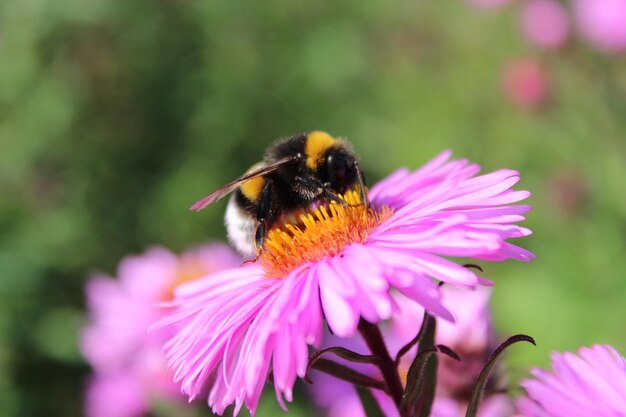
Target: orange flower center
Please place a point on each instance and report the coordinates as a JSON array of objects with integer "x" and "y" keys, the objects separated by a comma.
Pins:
[{"x": 324, "y": 231}]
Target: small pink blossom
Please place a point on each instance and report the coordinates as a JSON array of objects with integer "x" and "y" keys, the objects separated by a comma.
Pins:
[
  {"x": 545, "y": 23},
  {"x": 590, "y": 383},
  {"x": 602, "y": 23},
  {"x": 236, "y": 326},
  {"x": 525, "y": 83},
  {"x": 128, "y": 362}
]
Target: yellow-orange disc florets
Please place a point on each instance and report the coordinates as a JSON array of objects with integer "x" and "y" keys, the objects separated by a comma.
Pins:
[{"x": 325, "y": 231}]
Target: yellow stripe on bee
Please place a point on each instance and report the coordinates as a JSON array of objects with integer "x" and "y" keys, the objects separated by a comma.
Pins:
[
  {"x": 316, "y": 144},
  {"x": 252, "y": 188}
]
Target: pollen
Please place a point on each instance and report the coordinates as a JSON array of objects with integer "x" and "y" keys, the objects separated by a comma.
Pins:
[{"x": 323, "y": 232}]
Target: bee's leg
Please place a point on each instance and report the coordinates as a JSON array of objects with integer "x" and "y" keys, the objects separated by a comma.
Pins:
[
  {"x": 259, "y": 237},
  {"x": 263, "y": 218},
  {"x": 308, "y": 188},
  {"x": 331, "y": 196},
  {"x": 263, "y": 214},
  {"x": 312, "y": 188}
]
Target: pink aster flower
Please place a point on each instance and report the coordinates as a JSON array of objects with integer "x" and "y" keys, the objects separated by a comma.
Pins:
[
  {"x": 590, "y": 383},
  {"x": 471, "y": 336},
  {"x": 526, "y": 83},
  {"x": 545, "y": 23},
  {"x": 129, "y": 365},
  {"x": 602, "y": 23},
  {"x": 339, "y": 265}
]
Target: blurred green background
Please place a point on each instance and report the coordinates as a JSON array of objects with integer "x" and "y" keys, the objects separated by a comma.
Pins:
[{"x": 115, "y": 115}]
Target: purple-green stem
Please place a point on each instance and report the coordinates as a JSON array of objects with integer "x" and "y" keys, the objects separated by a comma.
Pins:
[{"x": 374, "y": 340}]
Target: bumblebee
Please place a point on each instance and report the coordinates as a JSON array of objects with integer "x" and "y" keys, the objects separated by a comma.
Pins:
[{"x": 296, "y": 173}]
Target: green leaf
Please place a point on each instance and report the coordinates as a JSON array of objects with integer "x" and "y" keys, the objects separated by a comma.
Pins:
[
  {"x": 370, "y": 405},
  {"x": 403, "y": 351},
  {"x": 343, "y": 353},
  {"x": 422, "y": 376},
  {"x": 479, "y": 389},
  {"x": 346, "y": 374}
]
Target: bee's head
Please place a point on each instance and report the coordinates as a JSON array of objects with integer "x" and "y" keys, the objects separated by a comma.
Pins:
[{"x": 339, "y": 168}]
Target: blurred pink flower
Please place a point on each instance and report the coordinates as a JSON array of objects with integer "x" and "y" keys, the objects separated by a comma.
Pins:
[
  {"x": 525, "y": 83},
  {"x": 590, "y": 383},
  {"x": 116, "y": 394},
  {"x": 569, "y": 191},
  {"x": 545, "y": 23},
  {"x": 602, "y": 23},
  {"x": 487, "y": 4},
  {"x": 128, "y": 362},
  {"x": 471, "y": 336},
  {"x": 237, "y": 325}
]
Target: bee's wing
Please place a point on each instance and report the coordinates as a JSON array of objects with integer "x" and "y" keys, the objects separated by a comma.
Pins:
[{"x": 231, "y": 186}]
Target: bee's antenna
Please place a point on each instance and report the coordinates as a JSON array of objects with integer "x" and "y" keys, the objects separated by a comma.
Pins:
[{"x": 362, "y": 189}]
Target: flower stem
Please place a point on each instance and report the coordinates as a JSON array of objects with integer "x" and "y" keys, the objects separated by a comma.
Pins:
[{"x": 374, "y": 339}]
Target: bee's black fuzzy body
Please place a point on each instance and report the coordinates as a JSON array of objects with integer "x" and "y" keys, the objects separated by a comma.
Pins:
[{"x": 296, "y": 172}]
